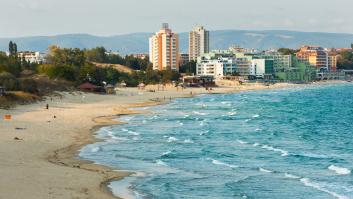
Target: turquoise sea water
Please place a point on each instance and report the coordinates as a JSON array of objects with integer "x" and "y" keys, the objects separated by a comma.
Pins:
[{"x": 276, "y": 144}]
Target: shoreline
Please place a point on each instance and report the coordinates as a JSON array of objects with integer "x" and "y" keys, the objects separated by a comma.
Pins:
[
  {"x": 65, "y": 154},
  {"x": 154, "y": 103},
  {"x": 69, "y": 156}
]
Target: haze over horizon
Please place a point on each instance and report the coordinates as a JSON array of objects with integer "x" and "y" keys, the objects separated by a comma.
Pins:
[{"x": 112, "y": 17}]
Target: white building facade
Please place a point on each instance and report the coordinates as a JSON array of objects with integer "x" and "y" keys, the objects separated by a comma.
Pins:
[
  {"x": 216, "y": 67},
  {"x": 199, "y": 42},
  {"x": 261, "y": 67},
  {"x": 281, "y": 62},
  {"x": 31, "y": 57}
]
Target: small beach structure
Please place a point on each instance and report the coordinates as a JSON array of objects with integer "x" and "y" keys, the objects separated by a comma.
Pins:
[
  {"x": 88, "y": 87},
  {"x": 141, "y": 86},
  {"x": 2, "y": 91},
  {"x": 109, "y": 89},
  {"x": 121, "y": 85},
  {"x": 198, "y": 81}
]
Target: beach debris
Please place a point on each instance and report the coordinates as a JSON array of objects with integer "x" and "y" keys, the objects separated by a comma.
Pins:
[
  {"x": 19, "y": 128},
  {"x": 76, "y": 166},
  {"x": 18, "y": 139},
  {"x": 7, "y": 117}
]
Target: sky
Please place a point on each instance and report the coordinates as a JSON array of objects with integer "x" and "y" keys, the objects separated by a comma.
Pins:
[{"x": 114, "y": 17}]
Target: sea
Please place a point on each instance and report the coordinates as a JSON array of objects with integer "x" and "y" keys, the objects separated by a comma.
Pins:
[{"x": 292, "y": 143}]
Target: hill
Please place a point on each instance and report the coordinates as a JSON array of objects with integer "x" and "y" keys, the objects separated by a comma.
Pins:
[
  {"x": 220, "y": 39},
  {"x": 118, "y": 67}
]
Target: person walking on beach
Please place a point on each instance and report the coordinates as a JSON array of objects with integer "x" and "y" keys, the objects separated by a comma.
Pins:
[{"x": 47, "y": 106}]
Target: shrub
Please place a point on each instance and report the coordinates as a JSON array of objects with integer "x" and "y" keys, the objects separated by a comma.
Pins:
[
  {"x": 65, "y": 72},
  {"x": 9, "y": 81},
  {"x": 28, "y": 85}
]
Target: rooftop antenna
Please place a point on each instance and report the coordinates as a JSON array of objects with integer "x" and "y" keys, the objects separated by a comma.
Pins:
[{"x": 165, "y": 26}]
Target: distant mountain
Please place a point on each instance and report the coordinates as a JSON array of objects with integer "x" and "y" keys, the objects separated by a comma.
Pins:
[{"x": 220, "y": 39}]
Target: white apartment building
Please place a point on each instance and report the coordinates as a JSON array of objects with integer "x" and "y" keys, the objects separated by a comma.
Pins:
[
  {"x": 164, "y": 49},
  {"x": 281, "y": 62},
  {"x": 199, "y": 42},
  {"x": 31, "y": 57},
  {"x": 261, "y": 67},
  {"x": 217, "y": 67}
]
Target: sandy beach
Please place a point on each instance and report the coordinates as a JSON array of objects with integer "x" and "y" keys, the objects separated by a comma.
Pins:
[{"x": 43, "y": 162}]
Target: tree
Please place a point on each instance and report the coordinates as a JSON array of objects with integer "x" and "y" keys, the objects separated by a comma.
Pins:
[
  {"x": 25, "y": 64},
  {"x": 15, "y": 49},
  {"x": 188, "y": 68},
  {"x": 345, "y": 61},
  {"x": 67, "y": 56},
  {"x": 9, "y": 64},
  {"x": 98, "y": 54},
  {"x": 11, "y": 48},
  {"x": 112, "y": 76},
  {"x": 86, "y": 73},
  {"x": 152, "y": 76},
  {"x": 9, "y": 81},
  {"x": 287, "y": 51},
  {"x": 28, "y": 85},
  {"x": 168, "y": 76},
  {"x": 115, "y": 59}
]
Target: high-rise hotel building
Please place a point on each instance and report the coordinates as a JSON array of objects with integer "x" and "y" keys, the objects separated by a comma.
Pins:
[
  {"x": 199, "y": 42},
  {"x": 315, "y": 56},
  {"x": 164, "y": 49}
]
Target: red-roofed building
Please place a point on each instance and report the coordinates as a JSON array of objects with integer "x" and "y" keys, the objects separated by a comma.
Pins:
[{"x": 88, "y": 87}]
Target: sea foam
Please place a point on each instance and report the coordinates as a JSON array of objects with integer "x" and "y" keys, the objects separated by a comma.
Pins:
[
  {"x": 270, "y": 148},
  {"x": 199, "y": 113},
  {"x": 307, "y": 182},
  {"x": 232, "y": 113},
  {"x": 256, "y": 144},
  {"x": 265, "y": 170},
  {"x": 112, "y": 136},
  {"x": 217, "y": 162},
  {"x": 160, "y": 162},
  {"x": 166, "y": 153},
  {"x": 291, "y": 176},
  {"x": 133, "y": 133},
  {"x": 172, "y": 139},
  {"x": 95, "y": 149},
  {"x": 242, "y": 142},
  {"x": 188, "y": 141},
  {"x": 339, "y": 170}
]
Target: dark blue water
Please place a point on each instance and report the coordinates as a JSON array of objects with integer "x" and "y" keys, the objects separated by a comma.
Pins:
[{"x": 278, "y": 144}]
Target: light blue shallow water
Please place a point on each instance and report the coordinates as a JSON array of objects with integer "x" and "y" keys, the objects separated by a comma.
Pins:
[{"x": 288, "y": 143}]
